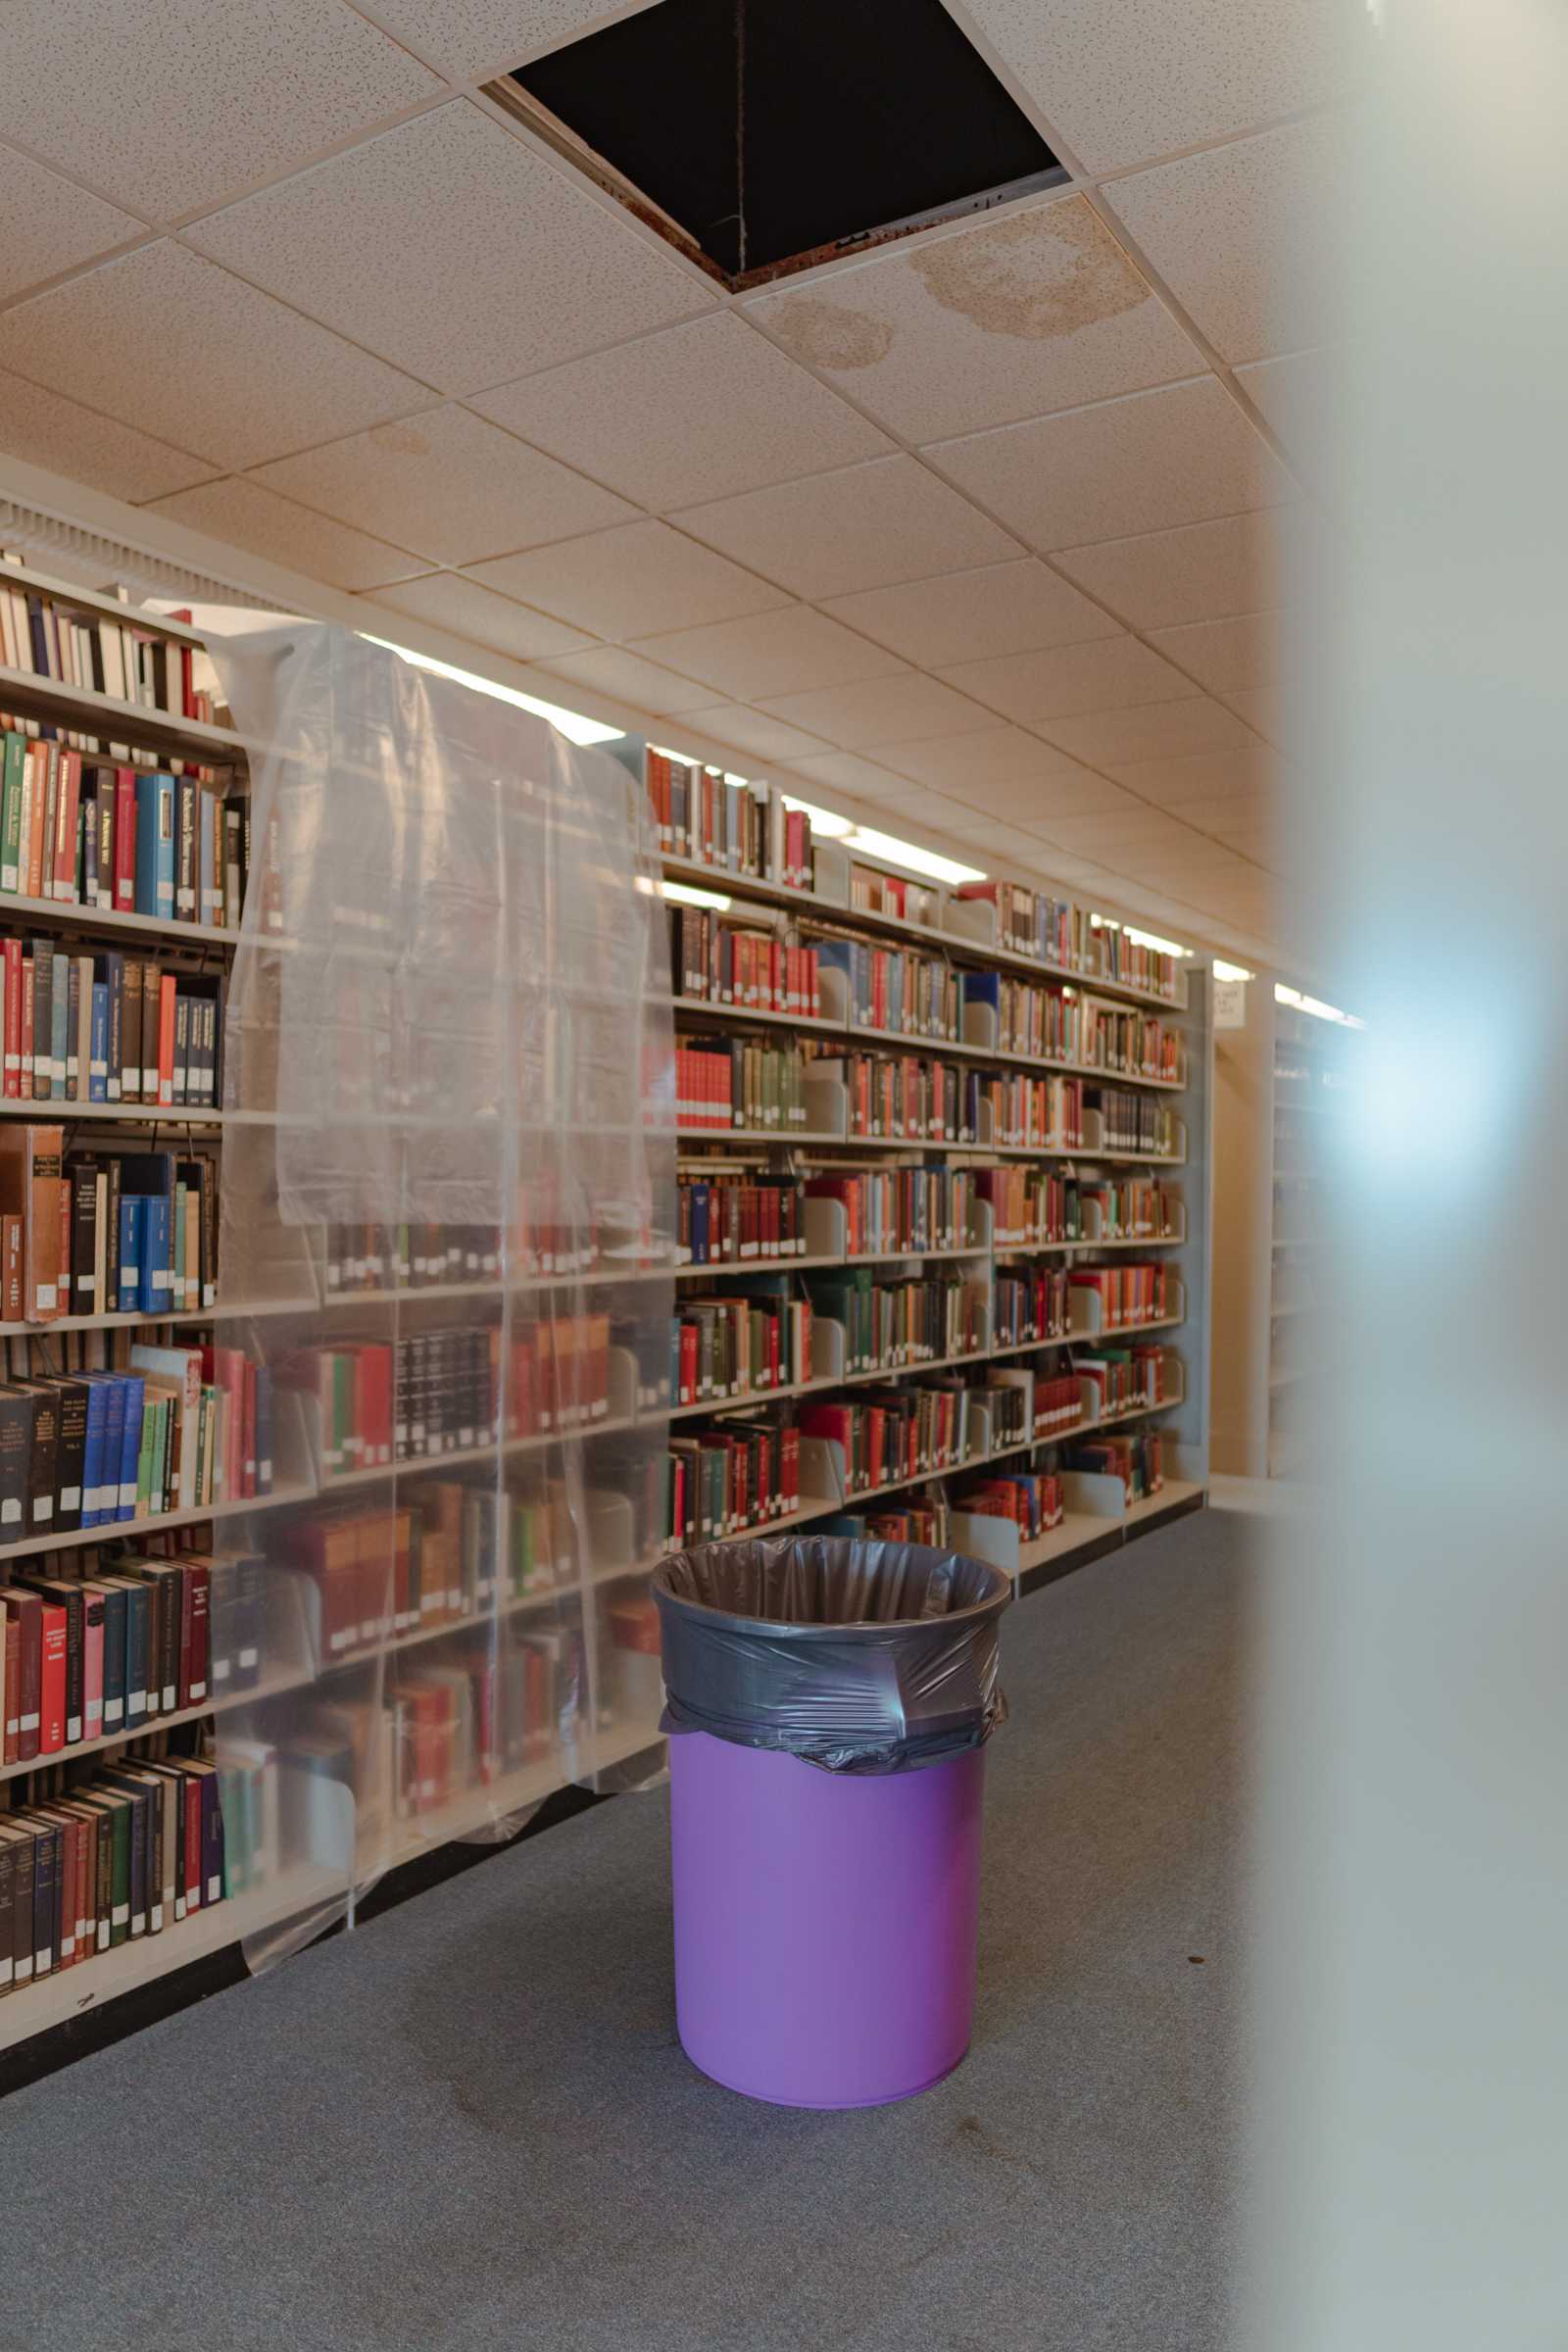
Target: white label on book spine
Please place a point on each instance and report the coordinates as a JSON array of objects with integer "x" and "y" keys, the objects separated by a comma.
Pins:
[
  {"x": 149, "y": 1084},
  {"x": 127, "y": 1495},
  {"x": 119, "y": 1915},
  {"x": 30, "y": 1723},
  {"x": 9, "y": 1510},
  {"x": 43, "y": 1507},
  {"x": 197, "y": 1691},
  {"x": 113, "y": 1709},
  {"x": 161, "y": 1278},
  {"x": 71, "y": 1498},
  {"x": 136, "y": 1702},
  {"x": 46, "y": 1298},
  {"x": 215, "y": 1887},
  {"x": 220, "y": 1671},
  {"x": 72, "y": 1729},
  {"x": 248, "y": 1657},
  {"x": 170, "y": 1695},
  {"x": 156, "y": 1916},
  {"x": 113, "y": 1089},
  {"x": 8, "y": 877}
]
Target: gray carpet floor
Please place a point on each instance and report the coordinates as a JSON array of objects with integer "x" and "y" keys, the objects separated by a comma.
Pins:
[{"x": 470, "y": 2127}]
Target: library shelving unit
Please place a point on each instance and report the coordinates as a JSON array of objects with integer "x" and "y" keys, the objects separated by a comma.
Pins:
[
  {"x": 456, "y": 1295},
  {"x": 1281, "y": 1079}
]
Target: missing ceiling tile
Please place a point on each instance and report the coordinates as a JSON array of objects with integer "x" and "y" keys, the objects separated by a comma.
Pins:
[{"x": 763, "y": 135}]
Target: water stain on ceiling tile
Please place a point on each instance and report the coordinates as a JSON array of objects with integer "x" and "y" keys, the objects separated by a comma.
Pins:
[{"x": 1045, "y": 272}]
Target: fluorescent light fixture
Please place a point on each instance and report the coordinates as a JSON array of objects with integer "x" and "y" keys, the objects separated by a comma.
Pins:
[
  {"x": 1316, "y": 1006},
  {"x": 823, "y": 821},
  {"x": 570, "y": 723},
  {"x": 919, "y": 861},
  {"x": 688, "y": 897},
  {"x": 686, "y": 758},
  {"x": 1140, "y": 938},
  {"x": 1230, "y": 971}
]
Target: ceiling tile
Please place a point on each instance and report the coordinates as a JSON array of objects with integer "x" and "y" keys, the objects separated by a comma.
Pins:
[
  {"x": 248, "y": 515},
  {"x": 645, "y": 685},
  {"x": 1241, "y": 234},
  {"x": 1144, "y": 463},
  {"x": 173, "y": 345},
  {"x": 1296, "y": 395},
  {"x": 965, "y": 615},
  {"x": 754, "y": 732},
  {"x": 1128, "y": 832},
  {"x": 1107, "y": 674},
  {"x": 1237, "y": 820},
  {"x": 1079, "y": 794},
  {"x": 190, "y": 100},
  {"x": 447, "y": 483},
  {"x": 1112, "y": 738},
  {"x": 864, "y": 526},
  {"x": 695, "y": 412},
  {"x": 448, "y": 601},
  {"x": 474, "y": 40},
  {"x": 454, "y": 249},
  {"x": 877, "y": 709},
  {"x": 1005, "y": 841},
  {"x": 1222, "y": 655},
  {"x": 1123, "y": 81},
  {"x": 1024, "y": 311},
  {"x": 843, "y": 772},
  {"x": 1175, "y": 779},
  {"x": 773, "y": 653},
  {"x": 990, "y": 756},
  {"x": 1206, "y": 572},
  {"x": 631, "y": 581},
  {"x": 1263, "y": 707},
  {"x": 48, "y": 224},
  {"x": 915, "y": 807},
  {"x": 45, "y": 429}
]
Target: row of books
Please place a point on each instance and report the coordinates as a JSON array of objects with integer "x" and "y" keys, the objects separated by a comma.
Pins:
[
  {"x": 89, "y": 1657},
  {"x": 52, "y": 638},
  {"x": 104, "y": 1232},
  {"x": 909, "y": 1097},
  {"x": 1031, "y": 1018},
  {"x": 484, "y": 1709},
  {"x": 1121, "y": 1378},
  {"x": 1134, "y": 1122},
  {"x": 890, "y": 1434},
  {"x": 132, "y": 1851},
  {"x": 370, "y": 1257},
  {"x": 1114, "y": 955},
  {"x": 717, "y": 962},
  {"x": 872, "y": 892},
  {"x": 1137, "y": 1045},
  {"x": 913, "y": 1519},
  {"x": 1128, "y": 1293},
  {"x": 724, "y": 1082},
  {"x": 903, "y": 1208},
  {"x": 1137, "y": 1458},
  {"x": 722, "y": 1480},
  {"x": 183, "y": 1429},
  {"x": 898, "y": 989},
  {"x": 1031, "y": 1499},
  {"x": 447, "y": 1391},
  {"x": 1036, "y": 923},
  {"x": 727, "y": 1219},
  {"x": 108, "y": 1028},
  {"x": 1058, "y": 1403},
  {"x": 1039, "y": 1206},
  {"x": 710, "y": 818},
  {"x": 123, "y": 840},
  {"x": 891, "y": 1322},
  {"x": 734, "y": 1347},
  {"x": 1029, "y": 1305}
]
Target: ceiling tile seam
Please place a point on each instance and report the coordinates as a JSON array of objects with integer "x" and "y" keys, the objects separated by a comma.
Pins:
[
  {"x": 645, "y": 514},
  {"x": 334, "y": 521},
  {"x": 67, "y": 171},
  {"x": 1090, "y": 185},
  {"x": 98, "y": 260},
  {"x": 712, "y": 294},
  {"x": 512, "y": 60},
  {"x": 215, "y": 466},
  {"x": 1229, "y": 138}
]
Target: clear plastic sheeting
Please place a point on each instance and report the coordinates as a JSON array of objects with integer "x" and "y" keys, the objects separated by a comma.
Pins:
[
  {"x": 859, "y": 1657},
  {"x": 447, "y": 1235}
]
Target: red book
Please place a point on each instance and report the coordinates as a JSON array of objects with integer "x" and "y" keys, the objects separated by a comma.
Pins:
[
  {"x": 195, "y": 1884},
  {"x": 248, "y": 1430},
  {"x": 125, "y": 841},
  {"x": 52, "y": 1679},
  {"x": 11, "y": 1636},
  {"x": 67, "y": 811},
  {"x": 13, "y": 1037},
  {"x": 166, "y": 1038}
]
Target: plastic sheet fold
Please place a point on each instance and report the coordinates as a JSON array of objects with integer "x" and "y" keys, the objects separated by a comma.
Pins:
[
  {"x": 448, "y": 1210},
  {"x": 857, "y": 1657}
]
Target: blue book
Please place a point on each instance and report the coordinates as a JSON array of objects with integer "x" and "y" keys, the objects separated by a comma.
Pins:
[
  {"x": 156, "y": 1276},
  {"x": 114, "y": 1618},
  {"x": 698, "y": 1242},
  {"x": 135, "y": 1388},
  {"x": 98, "y": 1045},
  {"x": 92, "y": 1458},
  {"x": 114, "y": 1439},
  {"x": 132, "y": 1227},
  {"x": 59, "y": 1026},
  {"x": 206, "y": 844},
  {"x": 155, "y": 845}
]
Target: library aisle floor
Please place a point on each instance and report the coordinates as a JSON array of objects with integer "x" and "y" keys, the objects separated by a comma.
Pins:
[{"x": 469, "y": 2125}]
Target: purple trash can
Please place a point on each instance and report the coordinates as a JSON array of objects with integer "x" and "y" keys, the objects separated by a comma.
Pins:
[{"x": 826, "y": 1781}]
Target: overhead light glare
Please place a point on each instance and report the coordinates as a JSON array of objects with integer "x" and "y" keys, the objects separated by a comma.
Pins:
[
  {"x": 570, "y": 723},
  {"x": 907, "y": 852},
  {"x": 1316, "y": 1006},
  {"x": 687, "y": 896},
  {"x": 1139, "y": 939},
  {"x": 1230, "y": 971},
  {"x": 824, "y": 821}
]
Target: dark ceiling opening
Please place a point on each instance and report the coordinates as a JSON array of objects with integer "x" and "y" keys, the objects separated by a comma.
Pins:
[{"x": 771, "y": 129}]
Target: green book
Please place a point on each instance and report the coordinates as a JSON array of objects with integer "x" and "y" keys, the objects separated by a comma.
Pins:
[
  {"x": 15, "y": 751},
  {"x": 144, "y": 1458}
]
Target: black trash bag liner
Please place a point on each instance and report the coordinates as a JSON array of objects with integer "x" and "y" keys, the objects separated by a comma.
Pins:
[{"x": 859, "y": 1657}]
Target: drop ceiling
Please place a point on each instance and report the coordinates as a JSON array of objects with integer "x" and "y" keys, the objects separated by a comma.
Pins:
[{"x": 994, "y": 531}]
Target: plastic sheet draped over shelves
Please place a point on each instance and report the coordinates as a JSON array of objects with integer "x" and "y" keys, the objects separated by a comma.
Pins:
[{"x": 459, "y": 1010}]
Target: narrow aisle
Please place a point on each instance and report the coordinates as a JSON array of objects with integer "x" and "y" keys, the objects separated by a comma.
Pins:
[{"x": 469, "y": 2124}]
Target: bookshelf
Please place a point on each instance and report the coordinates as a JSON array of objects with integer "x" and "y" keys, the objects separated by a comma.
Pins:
[{"x": 441, "y": 1637}]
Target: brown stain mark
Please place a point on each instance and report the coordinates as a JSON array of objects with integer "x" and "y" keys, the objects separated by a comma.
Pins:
[
  {"x": 829, "y": 334},
  {"x": 403, "y": 440},
  {"x": 1034, "y": 275}
]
